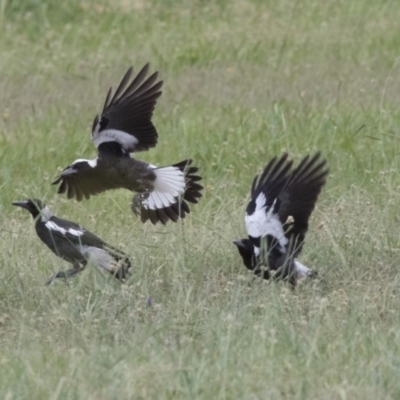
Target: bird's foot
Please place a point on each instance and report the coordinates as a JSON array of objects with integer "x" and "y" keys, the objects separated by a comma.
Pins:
[
  {"x": 55, "y": 276},
  {"x": 65, "y": 275},
  {"x": 137, "y": 202},
  {"x": 312, "y": 274}
]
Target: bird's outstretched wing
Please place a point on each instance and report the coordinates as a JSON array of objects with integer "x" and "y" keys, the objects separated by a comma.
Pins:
[
  {"x": 126, "y": 117},
  {"x": 82, "y": 181},
  {"x": 261, "y": 213},
  {"x": 271, "y": 181},
  {"x": 298, "y": 198}
]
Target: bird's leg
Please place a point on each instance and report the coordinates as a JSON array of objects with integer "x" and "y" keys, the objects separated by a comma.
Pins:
[
  {"x": 122, "y": 270},
  {"x": 263, "y": 271},
  {"x": 76, "y": 268},
  {"x": 54, "y": 277},
  {"x": 137, "y": 201},
  {"x": 287, "y": 273}
]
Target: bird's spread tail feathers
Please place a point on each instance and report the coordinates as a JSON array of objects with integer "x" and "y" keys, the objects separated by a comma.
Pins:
[{"x": 174, "y": 186}]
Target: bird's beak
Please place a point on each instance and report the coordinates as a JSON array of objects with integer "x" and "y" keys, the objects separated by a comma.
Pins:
[
  {"x": 238, "y": 242},
  {"x": 68, "y": 171},
  {"x": 23, "y": 204}
]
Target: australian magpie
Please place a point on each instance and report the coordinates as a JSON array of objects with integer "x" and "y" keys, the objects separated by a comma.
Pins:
[
  {"x": 74, "y": 243},
  {"x": 125, "y": 127},
  {"x": 277, "y": 215}
]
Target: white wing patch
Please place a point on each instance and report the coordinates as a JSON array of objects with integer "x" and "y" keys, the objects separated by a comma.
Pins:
[
  {"x": 75, "y": 232},
  {"x": 261, "y": 200},
  {"x": 52, "y": 226},
  {"x": 262, "y": 223},
  {"x": 127, "y": 141},
  {"x": 168, "y": 186}
]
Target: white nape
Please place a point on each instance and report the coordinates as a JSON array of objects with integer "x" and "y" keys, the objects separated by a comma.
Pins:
[
  {"x": 127, "y": 141},
  {"x": 45, "y": 214},
  {"x": 92, "y": 163}
]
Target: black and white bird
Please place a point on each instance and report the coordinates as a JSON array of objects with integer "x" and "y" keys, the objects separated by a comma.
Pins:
[
  {"x": 125, "y": 127},
  {"x": 75, "y": 244},
  {"x": 277, "y": 215}
]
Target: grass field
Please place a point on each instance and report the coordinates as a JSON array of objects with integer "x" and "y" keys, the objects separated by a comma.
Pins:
[{"x": 244, "y": 80}]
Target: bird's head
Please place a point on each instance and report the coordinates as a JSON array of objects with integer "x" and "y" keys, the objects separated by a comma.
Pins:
[
  {"x": 79, "y": 165},
  {"x": 34, "y": 206},
  {"x": 246, "y": 250}
]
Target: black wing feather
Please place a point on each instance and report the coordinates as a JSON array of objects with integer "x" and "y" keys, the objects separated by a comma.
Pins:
[
  {"x": 299, "y": 196},
  {"x": 130, "y": 111},
  {"x": 83, "y": 184},
  {"x": 120, "y": 88},
  {"x": 270, "y": 182},
  {"x": 180, "y": 208}
]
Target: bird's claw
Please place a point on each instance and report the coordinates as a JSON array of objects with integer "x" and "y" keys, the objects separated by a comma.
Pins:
[
  {"x": 137, "y": 202},
  {"x": 55, "y": 276}
]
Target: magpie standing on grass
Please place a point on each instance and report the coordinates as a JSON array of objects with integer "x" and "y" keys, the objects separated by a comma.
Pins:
[
  {"x": 74, "y": 243},
  {"x": 277, "y": 215},
  {"x": 125, "y": 127}
]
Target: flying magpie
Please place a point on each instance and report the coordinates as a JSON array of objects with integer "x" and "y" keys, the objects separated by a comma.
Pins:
[
  {"x": 125, "y": 127},
  {"x": 74, "y": 243},
  {"x": 277, "y": 215}
]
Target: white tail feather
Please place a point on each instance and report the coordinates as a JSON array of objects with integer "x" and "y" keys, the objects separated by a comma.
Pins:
[{"x": 168, "y": 186}]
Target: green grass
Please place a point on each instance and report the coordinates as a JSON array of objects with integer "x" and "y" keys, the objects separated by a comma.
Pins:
[{"x": 244, "y": 80}]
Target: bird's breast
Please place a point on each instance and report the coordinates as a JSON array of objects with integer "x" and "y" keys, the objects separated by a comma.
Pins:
[{"x": 128, "y": 173}]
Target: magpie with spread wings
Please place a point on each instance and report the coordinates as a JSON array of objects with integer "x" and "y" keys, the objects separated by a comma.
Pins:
[
  {"x": 125, "y": 127},
  {"x": 282, "y": 200}
]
